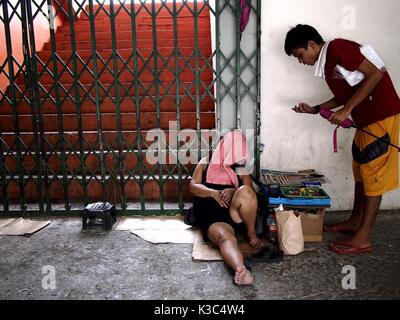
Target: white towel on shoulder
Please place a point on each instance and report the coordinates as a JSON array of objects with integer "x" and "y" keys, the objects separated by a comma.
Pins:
[{"x": 352, "y": 77}]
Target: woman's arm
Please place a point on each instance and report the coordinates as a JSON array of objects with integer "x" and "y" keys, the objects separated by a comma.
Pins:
[
  {"x": 196, "y": 187},
  {"x": 200, "y": 190}
]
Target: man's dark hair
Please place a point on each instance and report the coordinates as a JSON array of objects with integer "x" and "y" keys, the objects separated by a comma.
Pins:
[{"x": 299, "y": 36}]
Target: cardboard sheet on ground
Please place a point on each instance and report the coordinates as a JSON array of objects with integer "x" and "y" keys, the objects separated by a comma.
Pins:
[
  {"x": 207, "y": 251},
  {"x": 158, "y": 229},
  {"x": 174, "y": 230},
  {"x": 21, "y": 226},
  {"x": 165, "y": 236},
  {"x": 151, "y": 223}
]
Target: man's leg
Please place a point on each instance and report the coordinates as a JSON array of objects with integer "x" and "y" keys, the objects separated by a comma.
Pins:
[
  {"x": 380, "y": 175},
  {"x": 362, "y": 238},
  {"x": 244, "y": 209},
  {"x": 354, "y": 222},
  {"x": 357, "y": 215},
  {"x": 223, "y": 236}
]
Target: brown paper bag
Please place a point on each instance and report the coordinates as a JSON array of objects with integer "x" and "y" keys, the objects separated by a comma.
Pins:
[{"x": 290, "y": 232}]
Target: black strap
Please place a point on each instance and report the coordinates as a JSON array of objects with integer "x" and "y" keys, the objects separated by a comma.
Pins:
[
  {"x": 372, "y": 151},
  {"x": 203, "y": 179}
]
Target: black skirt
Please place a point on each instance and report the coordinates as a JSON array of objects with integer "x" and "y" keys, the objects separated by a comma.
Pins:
[{"x": 208, "y": 211}]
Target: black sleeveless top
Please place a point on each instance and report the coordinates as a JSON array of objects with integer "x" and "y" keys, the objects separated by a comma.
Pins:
[{"x": 208, "y": 211}]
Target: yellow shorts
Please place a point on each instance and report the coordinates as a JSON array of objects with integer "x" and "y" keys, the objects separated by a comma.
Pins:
[{"x": 375, "y": 163}]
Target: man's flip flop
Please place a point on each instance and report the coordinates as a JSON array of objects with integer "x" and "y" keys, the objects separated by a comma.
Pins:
[
  {"x": 346, "y": 248},
  {"x": 341, "y": 243}
]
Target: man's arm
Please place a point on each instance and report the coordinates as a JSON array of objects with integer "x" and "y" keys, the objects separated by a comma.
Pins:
[
  {"x": 305, "y": 108},
  {"x": 330, "y": 104},
  {"x": 372, "y": 77}
]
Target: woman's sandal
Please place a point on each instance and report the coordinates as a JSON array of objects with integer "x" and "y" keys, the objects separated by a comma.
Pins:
[{"x": 245, "y": 273}]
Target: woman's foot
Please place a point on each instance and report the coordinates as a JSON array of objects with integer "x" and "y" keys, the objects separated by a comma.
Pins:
[
  {"x": 243, "y": 276},
  {"x": 256, "y": 243}
]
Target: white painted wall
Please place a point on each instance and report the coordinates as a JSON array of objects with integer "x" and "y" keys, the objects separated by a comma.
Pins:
[{"x": 295, "y": 141}]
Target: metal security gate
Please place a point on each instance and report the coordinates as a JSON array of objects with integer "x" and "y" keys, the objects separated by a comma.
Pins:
[{"x": 119, "y": 99}]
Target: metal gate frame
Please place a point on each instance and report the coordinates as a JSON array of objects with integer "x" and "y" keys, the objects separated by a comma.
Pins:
[{"x": 236, "y": 63}]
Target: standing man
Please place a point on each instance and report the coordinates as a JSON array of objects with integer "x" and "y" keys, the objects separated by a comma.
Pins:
[{"x": 362, "y": 87}]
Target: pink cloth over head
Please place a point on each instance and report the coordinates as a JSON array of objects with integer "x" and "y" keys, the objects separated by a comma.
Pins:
[{"x": 232, "y": 149}]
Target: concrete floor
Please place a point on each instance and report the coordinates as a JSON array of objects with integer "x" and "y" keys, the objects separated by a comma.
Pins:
[{"x": 118, "y": 265}]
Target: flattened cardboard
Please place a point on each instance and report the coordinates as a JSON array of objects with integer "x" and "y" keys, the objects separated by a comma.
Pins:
[
  {"x": 165, "y": 236},
  {"x": 151, "y": 223},
  {"x": 21, "y": 226},
  {"x": 164, "y": 229}
]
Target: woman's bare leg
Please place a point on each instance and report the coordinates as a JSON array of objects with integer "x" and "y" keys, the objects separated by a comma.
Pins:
[
  {"x": 244, "y": 209},
  {"x": 223, "y": 235}
]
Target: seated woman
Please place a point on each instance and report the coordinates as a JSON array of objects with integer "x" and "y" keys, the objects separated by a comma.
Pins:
[{"x": 222, "y": 207}]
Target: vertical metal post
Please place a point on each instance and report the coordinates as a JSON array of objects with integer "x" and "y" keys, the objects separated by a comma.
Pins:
[
  {"x": 218, "y": 67},
  {"x": 96, "y": 84},
  {"x": 11, "y": 72},
  {"x": 258, "y": 105},
  {"x": 237, "y": 65},
  {"x": 157, "y": 84},
  {"x": 117, "y": 105},
  {"x": 58, "y": 103},
  {"x": 197, "y": 79},
  {"x": 77, "y": 101},
  {"x": 177, "y": 101},
  {"x": 137, "y": 104},
  {"x": 35, "y": 102}
]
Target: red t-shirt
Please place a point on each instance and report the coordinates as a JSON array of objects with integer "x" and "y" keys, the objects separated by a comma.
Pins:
[{"x": 381, "y": 103}]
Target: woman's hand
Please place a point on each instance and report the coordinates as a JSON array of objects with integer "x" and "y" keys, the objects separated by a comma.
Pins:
[
  {"x": 216, "y": 195},
  {"x": 227, "y": 195},
  {"x": 224, "y": 197}
]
